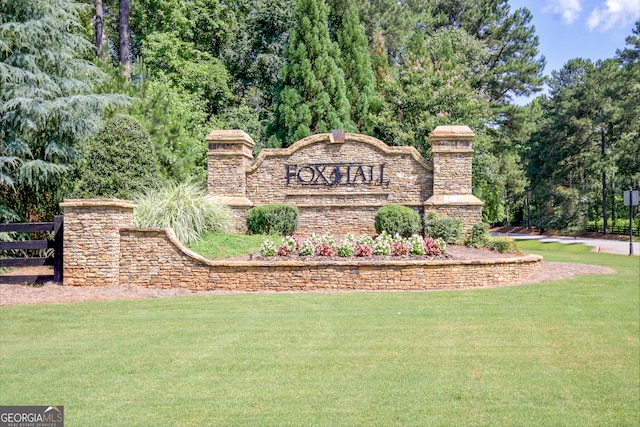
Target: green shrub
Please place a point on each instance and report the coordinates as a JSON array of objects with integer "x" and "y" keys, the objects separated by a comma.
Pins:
[
  {"x": 185, "y": 207},
  {"x": 502, "y": 245},
  {"x": 479, "y": 235},
  {"x": 270, "y": 219},
  {"x": 397, "y": 219},
  {"x": 118, "y": 162},
  {"x": 443, "y": 227}
]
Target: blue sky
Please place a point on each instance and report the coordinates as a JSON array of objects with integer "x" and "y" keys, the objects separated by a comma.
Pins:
[{"x": 580, "y": 28}]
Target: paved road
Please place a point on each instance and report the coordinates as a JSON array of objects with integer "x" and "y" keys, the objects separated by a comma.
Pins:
[{"x": 602, "y": 245}]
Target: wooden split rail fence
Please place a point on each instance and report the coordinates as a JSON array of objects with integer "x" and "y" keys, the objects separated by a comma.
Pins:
[{"x": 29, "y": 245}]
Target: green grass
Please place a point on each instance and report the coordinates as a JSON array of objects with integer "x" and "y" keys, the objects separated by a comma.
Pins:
[
  {"x": 562, "y": 353},
  {"x": 220, "y": 245}
]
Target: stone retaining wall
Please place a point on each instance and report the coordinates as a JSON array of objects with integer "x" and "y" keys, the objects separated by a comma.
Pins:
[
  {"x": 103, "y": 248},
  {"x": 155, "y": 258}
]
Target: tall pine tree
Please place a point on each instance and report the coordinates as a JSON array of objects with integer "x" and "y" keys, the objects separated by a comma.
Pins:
[
  {"x": 312, "y": 95},
  {"x": 356, "y": 64}
]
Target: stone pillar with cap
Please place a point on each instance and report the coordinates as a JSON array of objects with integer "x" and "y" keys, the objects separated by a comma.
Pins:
[
  {"x": 452, "y": 151},
  {"x": 229, "y": 153},
  {"x": 92, "y": 240}
]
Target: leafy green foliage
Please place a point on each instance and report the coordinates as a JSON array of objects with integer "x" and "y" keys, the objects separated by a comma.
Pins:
[
  {"x": 502, "y": 245},
  {"x": 581, "y": 150},
  {"x": 118, "y": 162},
  {"x": 170, "y": 58},
  {"x": 176, "y": 123},
  {"x": 206, "y": 25},
  {"x": 184, "y": 207},
  {"x": 48, "y": 107},
  {"x": 397, "y": 219},
  {"x": 270, "y": 219},
  {"x": 425, "y": 94},
  {"x": 443, "y": 227},
  {"x": 479, "y": 235}
]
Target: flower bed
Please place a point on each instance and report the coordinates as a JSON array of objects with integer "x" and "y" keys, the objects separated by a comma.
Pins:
[{"x": 359, "y": 246}]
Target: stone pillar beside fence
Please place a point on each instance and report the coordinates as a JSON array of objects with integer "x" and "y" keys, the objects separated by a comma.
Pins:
[
  {"x": 92, "y": 240},
  {"x": 452, "y": 152}
]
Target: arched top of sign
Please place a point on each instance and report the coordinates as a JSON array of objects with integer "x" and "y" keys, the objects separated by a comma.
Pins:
[{"x": 326, "y": 138}]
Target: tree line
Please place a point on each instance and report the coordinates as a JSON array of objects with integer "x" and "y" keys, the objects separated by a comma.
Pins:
[{"x": 282, "y": 70}]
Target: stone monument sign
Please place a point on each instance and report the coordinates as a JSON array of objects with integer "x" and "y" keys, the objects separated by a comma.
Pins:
[{"x": 339, "y": 180}]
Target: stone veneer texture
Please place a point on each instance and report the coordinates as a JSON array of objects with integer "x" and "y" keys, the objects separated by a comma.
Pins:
[
  {"x": 339, "y": 185},
  {"x": 154, "y": 258},
  {"x": 92, "y": 240}
]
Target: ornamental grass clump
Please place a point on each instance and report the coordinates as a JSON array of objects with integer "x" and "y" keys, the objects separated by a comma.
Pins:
[{"x": 184, "y": 207}]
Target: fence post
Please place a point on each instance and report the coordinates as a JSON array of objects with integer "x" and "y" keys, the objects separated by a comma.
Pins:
[{"x": 58, "y": 253}]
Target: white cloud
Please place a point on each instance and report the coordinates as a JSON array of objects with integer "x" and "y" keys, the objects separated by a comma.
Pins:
[
  {"x": 568, "y": 9},
  {"x": 614, "y": 12}
]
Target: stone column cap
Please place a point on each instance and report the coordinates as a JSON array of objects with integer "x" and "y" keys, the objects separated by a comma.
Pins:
[
  {"x": 93, "y": 203},
  {"x": 452, "y": 132},
  {"x": 230, "y": 136}
]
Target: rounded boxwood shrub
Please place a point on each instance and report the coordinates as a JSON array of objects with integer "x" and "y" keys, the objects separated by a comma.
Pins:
[
  {"x": 397, "y": 219},
  {"x": 271, "y": 219},
  {"x": 118, "y": 162}
]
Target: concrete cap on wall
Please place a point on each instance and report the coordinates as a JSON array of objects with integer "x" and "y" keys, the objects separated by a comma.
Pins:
[{"x": 94, "y": 203}]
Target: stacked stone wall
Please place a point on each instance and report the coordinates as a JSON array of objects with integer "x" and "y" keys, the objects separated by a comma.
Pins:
[
  {"x": 92, "y": 240},
  {"x": 452, "y": 175},
  {"x": 154, "y": 258}
]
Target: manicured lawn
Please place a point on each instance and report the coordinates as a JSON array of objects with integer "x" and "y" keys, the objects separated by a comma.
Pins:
[
  {"x": 564, "y": 353},
  {"x": 220, "y": 245}
]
